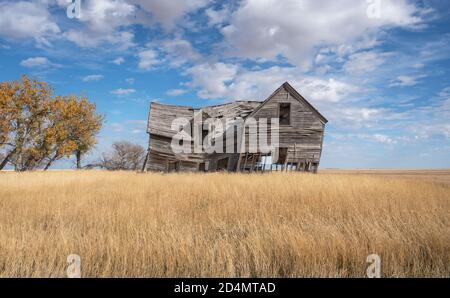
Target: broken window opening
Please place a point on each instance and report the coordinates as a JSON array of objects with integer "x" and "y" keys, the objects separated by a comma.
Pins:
[{"x": 285, "y": 114}]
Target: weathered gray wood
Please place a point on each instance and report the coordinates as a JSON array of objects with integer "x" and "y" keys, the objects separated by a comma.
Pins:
[
  {"x": 245, "y": 161},
  {"x": 144, "y": 166},
  {"x": 264, "y": 163},
  {"x": 253, "y": 163}
]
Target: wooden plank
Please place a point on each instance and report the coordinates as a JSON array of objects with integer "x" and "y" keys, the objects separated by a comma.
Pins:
[
  {"x": 264, "y": 163},
  {"x": 245, "y": 162},
  {"x": 144, "y": 166},
  {"x": 253, "y": 162}
]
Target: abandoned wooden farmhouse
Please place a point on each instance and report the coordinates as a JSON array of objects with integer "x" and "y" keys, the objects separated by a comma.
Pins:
[{"x": 300, "y": 136}]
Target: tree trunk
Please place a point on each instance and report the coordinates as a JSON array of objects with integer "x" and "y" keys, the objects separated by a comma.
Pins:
[
  {"x": 27, "y": 166},
  {"x": 78, "y": 154},
  {"x": 6, "y": 159},
  {"x": 4, "y": 162},
  {"x": 50, "y": 162}
]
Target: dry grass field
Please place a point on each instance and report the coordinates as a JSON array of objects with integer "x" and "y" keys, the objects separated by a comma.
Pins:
[
  {"x": 222, "y": 225},
  {"x": 429, "y": 175}
]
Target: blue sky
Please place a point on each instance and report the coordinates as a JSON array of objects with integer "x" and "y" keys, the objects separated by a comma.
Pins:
[{"x": 377, "y": 69}]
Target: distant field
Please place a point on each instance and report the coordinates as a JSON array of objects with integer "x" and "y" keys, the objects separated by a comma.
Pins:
[
  {"x": 225, "y": 225},
  {"x": 429, "y": 175}
]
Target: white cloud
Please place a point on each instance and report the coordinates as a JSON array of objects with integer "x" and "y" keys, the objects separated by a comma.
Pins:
[
  {"x": 383, "y": 139},
  {"x": 21, "y": 20},
  {"x": 147, "y": 59},
  {"x": 445, "y": 94},
  {"x": 178, "y": 51},
  {"x": 377, "y": 137},
  {"x": 91, "y": 78},
  {"x": 434, "y": 119},
  {"x": 234, "y": 83},
  {"x": 356, "y": 117},
  {"x": 118, "y": 61},
  {"x": 121, "y": 91},
  {"x": 364, "y": 62},
  {"x": 107, "y": 15},
  {"x": 111, "y": 21},
  {"x": 258, "y": 84},
  {"x": 330, "y": 90},
  {"x": 217, "y": 17},
  {"x": 169, "y": 13},
  {"x": 36, "y": 62},
  {"x": 104, "y": 22},
  {"x": 176, "y": 92},
  {"x": 430, "y": 130},
  {"x": 406, "y": 81},
  {"x": 296, "y": 28},
  {"x": 212, "y": 79},
  {"x": 89, "y": 39}
]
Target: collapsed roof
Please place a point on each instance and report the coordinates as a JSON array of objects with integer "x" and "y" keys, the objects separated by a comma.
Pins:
[{"x": 161, "y": 115}]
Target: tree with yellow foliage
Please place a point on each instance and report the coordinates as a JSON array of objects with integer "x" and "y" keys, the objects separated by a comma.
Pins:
[
  {"x": 37, "y": 129},
  {"x": 24, "y": 104},
  {"x": 7, "y": 91},
  {"x": 74, "y": 126}
]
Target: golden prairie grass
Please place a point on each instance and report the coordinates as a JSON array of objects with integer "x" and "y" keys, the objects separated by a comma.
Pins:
[{"x": 222, "y": 225}]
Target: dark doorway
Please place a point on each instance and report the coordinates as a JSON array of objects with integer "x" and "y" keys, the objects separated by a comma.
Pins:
[
  {"x": 202, "y": 167},
  {"x": 282, "y": 155},
  {"x": 222, "y": 165},
  {"x": 173, "y": 166}
]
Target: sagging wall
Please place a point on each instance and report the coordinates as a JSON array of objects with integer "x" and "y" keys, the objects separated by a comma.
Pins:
[{"x": 161, "y": 154}]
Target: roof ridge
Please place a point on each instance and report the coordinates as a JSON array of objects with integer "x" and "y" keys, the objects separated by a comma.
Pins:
[
  {"x": 170, "y": 105},
  {"x": 206, "y": 106}
]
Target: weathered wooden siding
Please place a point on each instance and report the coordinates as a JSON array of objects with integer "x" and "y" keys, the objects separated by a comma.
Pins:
[
  {"x": 303, "y": 137},
  {"x": 161, "y": 118}
]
